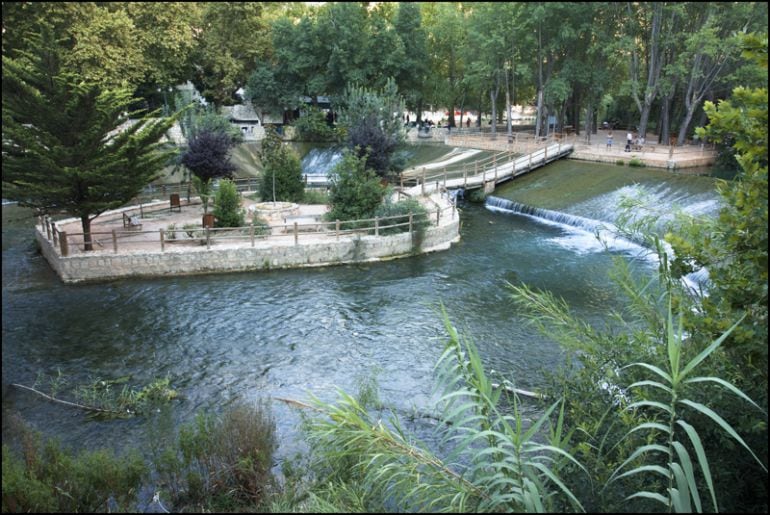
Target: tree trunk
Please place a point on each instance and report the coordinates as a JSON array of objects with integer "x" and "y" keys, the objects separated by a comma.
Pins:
[
  {"x": 663, "y": 133},
  {"x": 509, "y": 128},
  {"x": 588, "y": 121},
  {"x": 493, "y": 98},
  {"x": 86, "y": 223}
]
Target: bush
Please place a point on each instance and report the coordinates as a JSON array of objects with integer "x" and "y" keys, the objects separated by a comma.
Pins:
[
  {"x": 282, "y": 172},
  {"x": 227, "y": 206},
  {"x": 52, "y": 479},
  {"x": 636, "y": 162},
  {"x": 419, "y": 217},
  {"x": 356, "y": 192},
  {"x": 314, "y": 196},
  {"x": 224, "y": 461},
  {"x": 314, "y": 127}
]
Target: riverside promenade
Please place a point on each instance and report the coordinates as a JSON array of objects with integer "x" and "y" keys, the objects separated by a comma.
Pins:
[{"x": 691, "y": 155}]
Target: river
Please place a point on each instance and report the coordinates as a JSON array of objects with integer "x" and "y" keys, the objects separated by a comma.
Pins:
[{"x": 227, "y": 337}]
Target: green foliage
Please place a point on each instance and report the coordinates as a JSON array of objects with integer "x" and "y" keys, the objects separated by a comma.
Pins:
[
  {"x": 380, "y": 466},
  {"x": 373, "y": 125},
  {"x": 227, "y": 206},
  {"x": 51, "y": 479},
  {"x": 638, "y": 163},
  {"x": 402, "y": 209},
  {"x": 667, "y": 426},
  {"x": 62, "y": 147},
  {"x": 315, "y": 196},
  {"x": 222, "y": 463},
  {"x": 281, "y": 179},
  {"x": 355, "y": 192},
  {"x": 313, "y": 126}
]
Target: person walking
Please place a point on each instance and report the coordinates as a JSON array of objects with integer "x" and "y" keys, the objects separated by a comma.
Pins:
[{"x": 629, "y": 140}]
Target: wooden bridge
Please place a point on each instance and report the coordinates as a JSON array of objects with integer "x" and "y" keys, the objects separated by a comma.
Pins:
[{"x": 502, "y": 166}]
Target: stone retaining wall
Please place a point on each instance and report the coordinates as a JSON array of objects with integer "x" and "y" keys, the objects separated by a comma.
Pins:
[{"x": 265, "y": 255}]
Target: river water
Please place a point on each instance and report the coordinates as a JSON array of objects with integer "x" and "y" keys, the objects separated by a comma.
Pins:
[{"x": 227, "y": 337}]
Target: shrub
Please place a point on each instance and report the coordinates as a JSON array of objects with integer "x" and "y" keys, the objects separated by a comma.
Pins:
[
  {"x": 224, "y": 461},
  {"x": 282, "y": 171},
  {"x": 355, "y": 192},
  {"x": 314, "y": 127},
  {"x": 419, "y": 217},
  {"x": 52, "y": 479},
  {"x": 315, "y": 196},
  {"x": 171, "y": 232},
  {"x": 636, "y": 162},
  {"x": 227, "y": 206},
  {"x": 620, "y": 162}
]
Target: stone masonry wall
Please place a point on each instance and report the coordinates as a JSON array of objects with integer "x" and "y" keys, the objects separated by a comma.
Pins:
[{"x": 264, "y": 256}]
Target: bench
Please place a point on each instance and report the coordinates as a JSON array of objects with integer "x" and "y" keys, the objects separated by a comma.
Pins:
[
  {"x": 131, "y": 222},
  {"x": 304, "y": 223}
]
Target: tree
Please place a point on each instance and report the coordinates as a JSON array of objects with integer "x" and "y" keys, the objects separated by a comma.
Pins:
[
  {"x": 208, "y": 157},
  {"x": 281, "y": 171},
  {"x": 414, "y": 72},
  {"x": 234, "y": 35},
  {"x": 73, "y": 145},
  {"x": 373, "y": 123}
]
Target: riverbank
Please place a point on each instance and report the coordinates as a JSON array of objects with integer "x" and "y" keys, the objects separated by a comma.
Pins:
[{"x": 152, "y": 240}]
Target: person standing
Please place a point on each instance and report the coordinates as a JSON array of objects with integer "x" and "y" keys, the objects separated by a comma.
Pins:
[
  {"x": 629, "y": 140},
  {"x": 609, "y": 141}
]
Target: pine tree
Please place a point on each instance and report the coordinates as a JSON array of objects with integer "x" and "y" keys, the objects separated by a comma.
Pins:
[{"x": 70, "y": 145}]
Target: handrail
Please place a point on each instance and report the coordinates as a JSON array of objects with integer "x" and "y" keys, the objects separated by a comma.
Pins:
[{"x": 63, "y": 242}]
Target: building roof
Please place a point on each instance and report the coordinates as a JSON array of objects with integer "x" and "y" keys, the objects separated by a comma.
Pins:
[{"x": 241, "y": 113}]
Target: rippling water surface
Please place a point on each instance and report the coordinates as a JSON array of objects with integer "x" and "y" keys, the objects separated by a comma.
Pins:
[{"x": 226, "y": 337}]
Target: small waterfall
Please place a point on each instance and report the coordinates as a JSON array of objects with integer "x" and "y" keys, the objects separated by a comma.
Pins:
[
  {"x": 596, "y": 236},
  {"x": 508, "y": 206},
  {"x": 320, "y": 161}
]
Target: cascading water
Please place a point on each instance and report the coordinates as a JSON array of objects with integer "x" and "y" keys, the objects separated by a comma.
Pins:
[
  {"x": 598, "y": 231},
  {"x": 319, "y": 162}
]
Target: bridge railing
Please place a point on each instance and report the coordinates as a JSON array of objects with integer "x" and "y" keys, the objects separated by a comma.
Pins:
[{"x": 498, "y": 166}]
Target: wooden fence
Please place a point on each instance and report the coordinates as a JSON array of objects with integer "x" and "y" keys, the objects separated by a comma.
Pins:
[{"x": 68, "y": 244}]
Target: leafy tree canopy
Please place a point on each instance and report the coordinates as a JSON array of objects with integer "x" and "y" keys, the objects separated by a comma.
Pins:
[{"x": 73, "y": 145}]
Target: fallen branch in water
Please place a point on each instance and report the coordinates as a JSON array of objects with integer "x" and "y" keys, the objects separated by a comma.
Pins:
[{"x": 73, "y": 404}]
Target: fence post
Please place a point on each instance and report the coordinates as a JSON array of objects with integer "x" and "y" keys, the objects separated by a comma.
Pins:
[
  {"x": 251, "y": 234},
  {"x": 545, "y": 153},
  {"x": 48, "y": 226},
  {"x": 141, "y": 211},
  {"x": 64, "y": 247},
  {"x": 114, "y": 241},
  {"x": 162, "y": 241},
  {"x": 465, "y": 178},
  {"x": 376, "y": 225},
  {"x": 55, "y": 233},
  {"x": 208, "y": 238},
  {"x": 438, "y": 215},
  {"x": 337, "y": 228},
  {"x": 411, "y": 224},
  {"x": 402, "y": 181}
]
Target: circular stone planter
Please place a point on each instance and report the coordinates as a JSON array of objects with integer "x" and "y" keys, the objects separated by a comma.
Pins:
[{"x": 274, "y": 210}]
